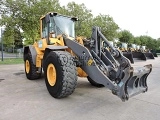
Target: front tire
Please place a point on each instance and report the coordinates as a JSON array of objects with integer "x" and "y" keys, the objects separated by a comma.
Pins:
[{"x": 60, "y": 74}]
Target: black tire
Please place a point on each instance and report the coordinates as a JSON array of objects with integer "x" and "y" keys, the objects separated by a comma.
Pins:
[
  {"x": 66, "y": 74},
  {"x": 94, "y": 83},
  {"x": 32, "y": 74}
]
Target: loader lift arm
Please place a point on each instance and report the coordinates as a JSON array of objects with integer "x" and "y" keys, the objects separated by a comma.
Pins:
[{"x": 110, "y": 68}]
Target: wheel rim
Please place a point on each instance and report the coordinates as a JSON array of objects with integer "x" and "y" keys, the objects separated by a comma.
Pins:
[
  {"x": 27, "y": 66},
  {"x": 51, "y": 74}
]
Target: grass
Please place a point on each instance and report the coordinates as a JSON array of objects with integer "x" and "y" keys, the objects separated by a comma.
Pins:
[{"x": 8, "y": 61}]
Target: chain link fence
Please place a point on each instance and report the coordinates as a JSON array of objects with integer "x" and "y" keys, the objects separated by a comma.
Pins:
[{"x": 11, "y": 53}]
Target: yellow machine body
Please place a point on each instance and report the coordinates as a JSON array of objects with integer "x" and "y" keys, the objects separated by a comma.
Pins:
[{"x": 57, "y": 41}]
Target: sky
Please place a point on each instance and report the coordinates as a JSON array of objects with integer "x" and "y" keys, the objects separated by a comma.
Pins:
[{"x": 140, "y": 17}]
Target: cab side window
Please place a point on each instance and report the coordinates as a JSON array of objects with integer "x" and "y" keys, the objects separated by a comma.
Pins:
[
  {"x": 44, "y": 28},
  {"x": 52, "y": 26}
]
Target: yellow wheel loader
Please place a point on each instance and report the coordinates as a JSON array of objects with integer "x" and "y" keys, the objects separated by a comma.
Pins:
[{"x": 63, "y": 57}]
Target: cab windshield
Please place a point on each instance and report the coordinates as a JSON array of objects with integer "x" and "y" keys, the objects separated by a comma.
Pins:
[{"x": 62, "y": 25}]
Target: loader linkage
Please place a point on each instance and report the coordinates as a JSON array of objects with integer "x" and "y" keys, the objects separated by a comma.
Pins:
[{"x": 110, "y": 68}]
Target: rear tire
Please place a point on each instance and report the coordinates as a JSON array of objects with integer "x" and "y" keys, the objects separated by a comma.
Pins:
[
  {"x": 62, "y": 83},
  {"x": 30, "y": 68},
  {"x": 94, "y": 83}
]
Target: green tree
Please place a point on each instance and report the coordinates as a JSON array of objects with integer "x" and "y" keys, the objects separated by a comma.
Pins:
[
  {"x": 83, "y": 26},
  {"x": 143, "y": 39},
  {"x": 8, "y": 36},
  {"x": 17, "y": 38},
  {"x": 136, "y": 40},
  {"x": 126, "y": 36},
  {"x": 12, "y": 37},
  {"x": 24, "y": 15},
  {"x": 149, "y": 42},
  {"x": 158, "y": 44},
  {"x": 108, "y": 27}
]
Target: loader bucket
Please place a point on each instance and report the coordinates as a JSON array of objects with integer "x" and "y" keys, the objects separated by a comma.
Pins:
[
  {"x": 149, "y": 55},
  {"x": 155, "y": 54},
  {"x": 135, "y": 82},
  {"x": 139, "y": 55},
  {"x": 129, "y": 56}
]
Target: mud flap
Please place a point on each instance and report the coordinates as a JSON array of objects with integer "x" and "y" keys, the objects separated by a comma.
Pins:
[
  {"x": 129, "y": 56},
  {"x": 135, "y": 83},
  {"x": 139, "y": 55},
  {"x": 149, "y": 55}
]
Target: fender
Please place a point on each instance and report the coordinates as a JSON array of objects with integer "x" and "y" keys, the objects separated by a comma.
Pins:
[{"x": 33, "y": 51}]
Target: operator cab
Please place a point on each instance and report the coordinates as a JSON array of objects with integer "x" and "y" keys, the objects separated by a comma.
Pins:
[{"x": 54, "y": 24}]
